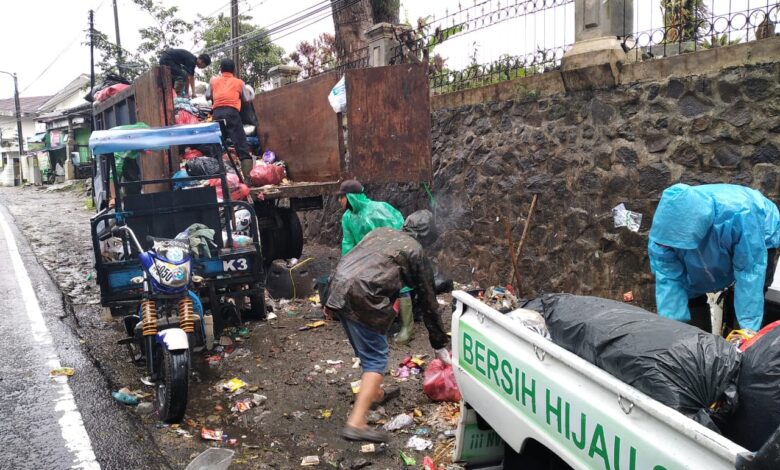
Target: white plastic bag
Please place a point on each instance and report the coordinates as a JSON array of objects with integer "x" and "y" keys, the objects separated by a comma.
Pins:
[
  {"x": 338, "y": 96},
  {"x": 626, "y": 218}
]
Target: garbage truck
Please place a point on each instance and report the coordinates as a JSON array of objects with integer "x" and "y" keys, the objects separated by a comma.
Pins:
[
  {"x": 383, "y": 136},
  {"x": 531, "y": 404}
]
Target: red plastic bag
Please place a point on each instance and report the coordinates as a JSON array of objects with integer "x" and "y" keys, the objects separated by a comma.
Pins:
[
  {"x": 262, "y": 175},
  {"x": 186, "y": 117},
  {"x": 192, "y": 154},
  {"x": 238, "y": 191},
  {"x": 758, "y": 335},
  {"x": 439, "y": 382}
]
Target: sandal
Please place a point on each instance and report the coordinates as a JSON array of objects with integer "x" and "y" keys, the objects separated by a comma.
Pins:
[
  {"x": 390, "y": 392},
  {"x": 352, "y": 433}
]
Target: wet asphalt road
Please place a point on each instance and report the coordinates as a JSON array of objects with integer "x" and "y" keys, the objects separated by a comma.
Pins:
[{"x": 54, "y": 423}]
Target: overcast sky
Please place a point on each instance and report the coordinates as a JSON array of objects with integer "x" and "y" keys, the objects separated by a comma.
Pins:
[{"x": 42, "y": 39}]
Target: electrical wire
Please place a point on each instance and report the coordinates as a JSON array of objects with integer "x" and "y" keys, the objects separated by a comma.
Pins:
[
  {"x": 272, "y": 28},
  {"x": 298, "y": 18},
  {"x": 59, "y": 55}
]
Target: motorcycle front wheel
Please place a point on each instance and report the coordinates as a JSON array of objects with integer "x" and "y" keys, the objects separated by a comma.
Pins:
[{"x": 174, "y": 368}]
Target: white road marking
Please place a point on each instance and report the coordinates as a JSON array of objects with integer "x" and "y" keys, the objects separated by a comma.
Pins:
[{"x": 71, "y": 423}]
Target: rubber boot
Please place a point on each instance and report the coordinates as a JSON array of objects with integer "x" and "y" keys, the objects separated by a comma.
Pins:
[
  {"x": 246, "y": 168},
  {"x": 406, "y": 315}
]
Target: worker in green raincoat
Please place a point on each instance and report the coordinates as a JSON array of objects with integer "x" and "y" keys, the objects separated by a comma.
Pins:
[{"x": 362, "y": 215}]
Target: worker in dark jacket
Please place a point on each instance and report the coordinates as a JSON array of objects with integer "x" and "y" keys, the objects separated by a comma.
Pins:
[
  {"x": 226, "y": 92},
  {"x": 362, "y": 293},
  {"x": 182, "y": 63}
]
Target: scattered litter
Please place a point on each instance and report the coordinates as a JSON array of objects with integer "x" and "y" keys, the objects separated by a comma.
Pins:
[
  {"x": 258, "y": 399},
  {"x": 326, "y": 414},
  {"x": 183, "y": 433},
  {"x": 357, "y": 464},
  {"x": 368, "y": 448},
  {"x": 314, "y": 299},
  {"x": 331, "y": 362},
  {"x": 125, "y": 398},
  {"x": 626, "y": 218},
  {"x": 144, "y": 408},
  {"x": 429, "y": 464},
  {"x": 310, "y": 461},
  {"x": 628, "y": 297},
  {"x": 355, "y": 387},
  {"x": 399, "y": 422},
  {"x": 225, "y": 341},
  {"x": 233, "y": 385},
  {"x": 213, "y": 360},
  {"x": 312, "y": 325},
  {"x": 317, "y": 367},
  {"x": 211, "y": 434},
  {"x": 422, "y": 431},
  {"x": 408, "y": 460},
  {"x": 62, "y": 372},
  {"x": 212, "y": 458},
  {"x": 419, "y": 444},
  {"x": 242, "y": 405},
  {"x": 232, "y": 442},
  {"x": 271, "y": 316},
  {"x": 355, "y": 362}
]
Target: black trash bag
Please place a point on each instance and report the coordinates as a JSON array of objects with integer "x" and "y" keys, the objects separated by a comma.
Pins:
[
  {"x": 109, "y": 80},
  {"x": 758, "y": 414},
  {"x": 203, "y": 166},
  {"x": 677, "y": 364},
  {"x": 442, "y": 283}
]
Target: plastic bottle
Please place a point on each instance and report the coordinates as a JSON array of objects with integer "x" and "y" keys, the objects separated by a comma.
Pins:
[{"x": 208, "y": 322}]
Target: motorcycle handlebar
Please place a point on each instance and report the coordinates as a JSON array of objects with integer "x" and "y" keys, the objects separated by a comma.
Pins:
[{"x": 124, "y": 228}]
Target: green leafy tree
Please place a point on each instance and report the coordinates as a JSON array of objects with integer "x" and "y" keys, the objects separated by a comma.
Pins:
[
  {"x": 683, "y": 19},
  {"x": 257, "y": 56},
  {"x": 109, "y": 53},
  {"x": 166, "y": 32}
]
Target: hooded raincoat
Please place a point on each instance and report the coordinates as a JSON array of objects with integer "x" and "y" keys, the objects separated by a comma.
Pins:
[
  {"x": 364, "y": 216},
  {"x": 368, "y": 278},
  {"x": 703, "y": 239}
]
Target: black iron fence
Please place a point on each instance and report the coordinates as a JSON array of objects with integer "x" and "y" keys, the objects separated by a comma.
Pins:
[
  {"x": 480, "y": 42},
  {"x": 662, "y": 28}
]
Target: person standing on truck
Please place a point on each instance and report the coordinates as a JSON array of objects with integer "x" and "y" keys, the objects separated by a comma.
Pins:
[
  {"x": 366, "y": 282},
  {"x": 706, "y": 238},
  {"x": 226, "y": 92},
  {"x": 182, "y": 64},
  {"x": 362, "y": 215}
]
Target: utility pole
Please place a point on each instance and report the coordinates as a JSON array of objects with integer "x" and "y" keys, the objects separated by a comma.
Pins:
[
  {"x": 234, "y": 32},
  {"x": 17, "y": 177},
  {"x": 92, "y": 50},
  {"x": 119, "y": 60}
]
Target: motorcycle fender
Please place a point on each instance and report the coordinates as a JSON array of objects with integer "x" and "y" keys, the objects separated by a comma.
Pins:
[{"x": 174, "y": 339}]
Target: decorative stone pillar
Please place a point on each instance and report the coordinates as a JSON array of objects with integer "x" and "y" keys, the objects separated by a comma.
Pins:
[
  {"x": 382, "y": 43},
  {"x": 599, "y": 25},
  {"x": 282, "y": 75}
]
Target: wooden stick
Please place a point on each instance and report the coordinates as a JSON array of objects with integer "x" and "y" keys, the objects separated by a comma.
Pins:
[
  {"x": 508, "y": 230},
  {"x": 522, "y": 239}
]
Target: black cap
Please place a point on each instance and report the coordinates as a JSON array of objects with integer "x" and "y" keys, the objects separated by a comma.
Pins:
[{"x": 350, "y": 187}]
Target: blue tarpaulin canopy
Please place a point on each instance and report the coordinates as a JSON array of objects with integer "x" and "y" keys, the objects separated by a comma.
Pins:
[{"x": 122, "y": 140}]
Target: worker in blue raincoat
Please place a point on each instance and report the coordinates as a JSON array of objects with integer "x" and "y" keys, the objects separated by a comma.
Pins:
[{"x": 706, "y": 238}]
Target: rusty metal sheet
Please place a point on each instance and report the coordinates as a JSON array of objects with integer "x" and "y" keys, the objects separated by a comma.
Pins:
[
  {"x": 296, "y": 189},
  {"x": 298, "y": 124},
  {"x": 154, "y": 106},
  {"x": 389, "y": 124}
]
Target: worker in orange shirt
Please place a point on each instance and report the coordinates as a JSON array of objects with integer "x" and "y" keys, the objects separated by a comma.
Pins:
[{"x": 226, "y": 92}]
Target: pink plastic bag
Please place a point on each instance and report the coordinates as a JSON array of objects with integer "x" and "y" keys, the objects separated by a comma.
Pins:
[
  {"x": 439, "y": 382},
  {"x": 262, "y": 175},
  {"x": 108, "y": 92},
  {"x": 238, "y": 191}
]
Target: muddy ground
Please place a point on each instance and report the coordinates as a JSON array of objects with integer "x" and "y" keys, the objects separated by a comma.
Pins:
[{"x": 307, "y": 398}]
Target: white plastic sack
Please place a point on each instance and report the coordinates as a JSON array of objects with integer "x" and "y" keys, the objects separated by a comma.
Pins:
[
  {"x": 626, "y": 218},
  {"x": 338, "y": 96}
]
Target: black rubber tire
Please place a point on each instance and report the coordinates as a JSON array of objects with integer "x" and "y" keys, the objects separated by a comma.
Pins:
[
  {"x": 257, "y": 312},
  {"x": 172, "y": 391},
  {"x": 284, "y": 242}
]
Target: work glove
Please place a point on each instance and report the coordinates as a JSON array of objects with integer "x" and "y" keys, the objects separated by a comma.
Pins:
[{"x": 443, "y": 355}]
